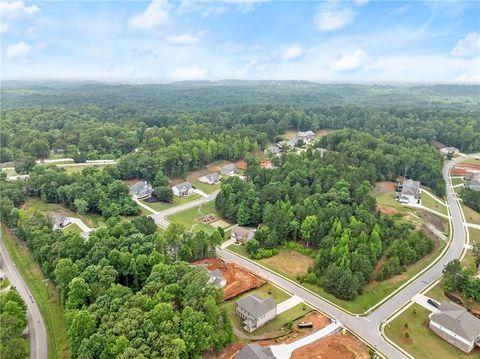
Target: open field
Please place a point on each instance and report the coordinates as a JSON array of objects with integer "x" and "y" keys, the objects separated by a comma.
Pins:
[
  {"x": 457, "y": 180},
  {"x": 45, "y": 294},
  {"x": 344, "y": 346},
  {"x": 422, "y": 343},
  {"x": 188, "y": 218},
  {"x": 372, "y": 293},
  {"x": 432, "y": 204},
  {"x": 160, "y": 206},
  {"x": 76, "y": 169},
  {"x": 474, "y": 235},
  {"x": 205, "y": 187},
  {"x": 288, "y": 261},
  {"x": 471, "y": 216},
  {"x": 239, "y": 280},
  {"x": 72, "y": 228},
  {"x": 90, "y": 219}
]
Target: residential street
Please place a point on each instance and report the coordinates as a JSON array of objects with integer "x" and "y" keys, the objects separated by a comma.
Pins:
[
  {"x": 368, "y": 327},
  {"x": 36, "y": 326}
]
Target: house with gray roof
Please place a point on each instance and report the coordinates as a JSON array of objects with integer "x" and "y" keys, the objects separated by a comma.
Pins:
[
  {"x": 255, "y": 311},
  {"x": 59, "y": 222},
  {"x": 306, "y": 136},
  {"x": 182, "y": 189},
  {"x": 410, "y": 192},
  {"x": 292, "y": 142},
  {"x": 228, "y": 170},
  {"x": 241, "y": 235},
  {"x": 473, "y": 182},
  {"x": 141, "y": 189},
  {"x": 255, "y": 351},
  {"x": 211, "y": 178},
  {"x": 217, "y": 278},
  {"x": 456, "y": 325},
  {"x": 449, "y": 151},
  {"x": 273, "y": 150}
]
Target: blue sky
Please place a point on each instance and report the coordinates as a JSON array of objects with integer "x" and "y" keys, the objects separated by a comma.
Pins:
[{"x": 156, "y": 41}]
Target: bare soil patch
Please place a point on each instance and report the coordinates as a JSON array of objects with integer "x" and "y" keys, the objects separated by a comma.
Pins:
[
  {"x": 241, "y": 164},
  {"x": 321, "y": 133},
  {"x": 438, "y": 222},
  {"x": 385, "y": 186},
  {"x": 464, "y": 169},
  {"x": 239, "y": 280},
  {"x": 344, "y": 346},
  {"x": 290, "y": 262},
  {"x": 220, "y": 223},
  {"x": 386, "y": 210},
  {"x": 227, "y": 353},
  {"x": 215, "y": 167}
]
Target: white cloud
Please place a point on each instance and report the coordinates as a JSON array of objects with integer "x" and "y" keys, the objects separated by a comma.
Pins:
[
  {"x": 155, "y": 15},
  {"x": 4, "y": 27},
  {"x": 245, "y": 69},
  {"x": 183, "y": 39},
  {"x": 188, "y": 73},
  {"x": 468, "y": 46},
  {"x": 329, "y": 17},
  {"x": 16, "y": 9},
  {"x": 40, "y": 46},
  {"x": 292, "y": 52},
  {"x": 361, "y": 2},
  {"x": 20, "y": 50},
  {"x": 351, "y": 61}
]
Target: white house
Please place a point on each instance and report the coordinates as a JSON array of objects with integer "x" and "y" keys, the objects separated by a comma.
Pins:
[
  {"x": 255, "y": 311},
  {"x": 410, "y": 192},
  {"x": 229, "y": 170},
  {"x": 182, "y": 189},
  {"x": 306, "y": 136},
  {"x": 212, "y": 178},
  {"x": 241, "y": 235},
  {"x": 457, "y": 326},
  {"x": 59, "y": 222}
]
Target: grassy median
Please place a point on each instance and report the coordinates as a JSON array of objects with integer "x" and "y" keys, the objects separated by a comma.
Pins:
[{"x": 46, "y": 295}]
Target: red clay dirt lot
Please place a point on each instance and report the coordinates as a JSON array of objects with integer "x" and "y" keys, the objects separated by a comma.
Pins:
[
  {"x": 385, "y": 186},
  {"x": 464, "y": 169},
  {"x": 337, "y": 346},
  {"x": 239, "y": 280}
]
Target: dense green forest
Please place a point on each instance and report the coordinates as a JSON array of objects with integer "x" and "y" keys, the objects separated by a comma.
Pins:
[
  {"x": 325, "y": 204},
  {"x": 128, "y": 291},
  {"x": 13, "y": 316}
]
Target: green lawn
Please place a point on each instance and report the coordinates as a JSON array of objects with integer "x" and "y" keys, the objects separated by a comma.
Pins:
[
  {"x": 432, "y": 204},
  {"x": 4, "y": 283},
  {"x": 457, "y": 180},
  {"x": 423, "y": 342},
  {"x": 372, "y": 293},
  {"x": 45, "y": 295},
  {"x": 471, "y": 216},
  {"x": 72, "y": 228},
  {"x": 474, "y": 235},
  {"x": 188, "y": 217},
  {"x": 160, "y": 206},
  {"x": 76, "y": 169},
  {"x": 10, "y": 172},
  {"x": 204, "y": 187}
]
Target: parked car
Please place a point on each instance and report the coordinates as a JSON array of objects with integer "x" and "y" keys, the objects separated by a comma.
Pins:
[{"x": 433, "y": 303}]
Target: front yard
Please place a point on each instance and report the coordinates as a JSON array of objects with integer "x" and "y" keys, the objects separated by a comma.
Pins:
[
  {"x": 205, "y": 187},
  {"x": 160, "y": 206},
  {"x": 72, "y": 228},
  {"x": 188, "y": 218},
  {"x": 372, "y": 293},
  {"x": 471, "y": 216},
  {"x": 434, "y": 205},
  {"x": 421, "y": 342}
]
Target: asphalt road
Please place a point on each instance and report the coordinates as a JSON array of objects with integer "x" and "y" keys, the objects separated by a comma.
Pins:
[
  {"x": 368, "y": 326},
  {"x": 36, "y": 326},
  {"x": 161, "y": 217}
]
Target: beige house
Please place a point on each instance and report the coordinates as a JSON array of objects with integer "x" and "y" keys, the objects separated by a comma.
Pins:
[{"x": 241, "y": 235}]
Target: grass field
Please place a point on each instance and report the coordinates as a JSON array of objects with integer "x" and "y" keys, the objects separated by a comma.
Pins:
[
  {"x": 289, "y": 261},
  {"x": 187, "y": 217},
  {"x": 204, "y": 187},
  {"x": 474, "y": 235},
  {"x": 457, "y": 180},
  {"x": 422, "y": 342},
  {"x": 471, "y": 216},
  {"x": 4, "y": 283},
  {"x": 45, "y": 295},
  {"x": 72, "y": 228},
  {"x": 76, "y": 169},
  {"x": 372, "y": 293},
  {"x": 160, "y": 206},
  {"x": 429, "y": 202},
  {"x": 10, "y": 172}
]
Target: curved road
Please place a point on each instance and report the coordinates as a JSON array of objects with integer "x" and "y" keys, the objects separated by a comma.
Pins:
[
  {"x": 367, "y": 327},
  {"x": 36, "y": 326}
]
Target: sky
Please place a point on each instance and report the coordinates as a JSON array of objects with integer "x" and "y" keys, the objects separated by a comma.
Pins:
[{"x": 357, "y": 41}]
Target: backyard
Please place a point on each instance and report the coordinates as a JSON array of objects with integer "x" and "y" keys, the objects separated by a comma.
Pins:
[
  {"x": 188, "y": 218},
  {"x": 433, "y": 204},
  {"x": 410, "y": 331}
]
